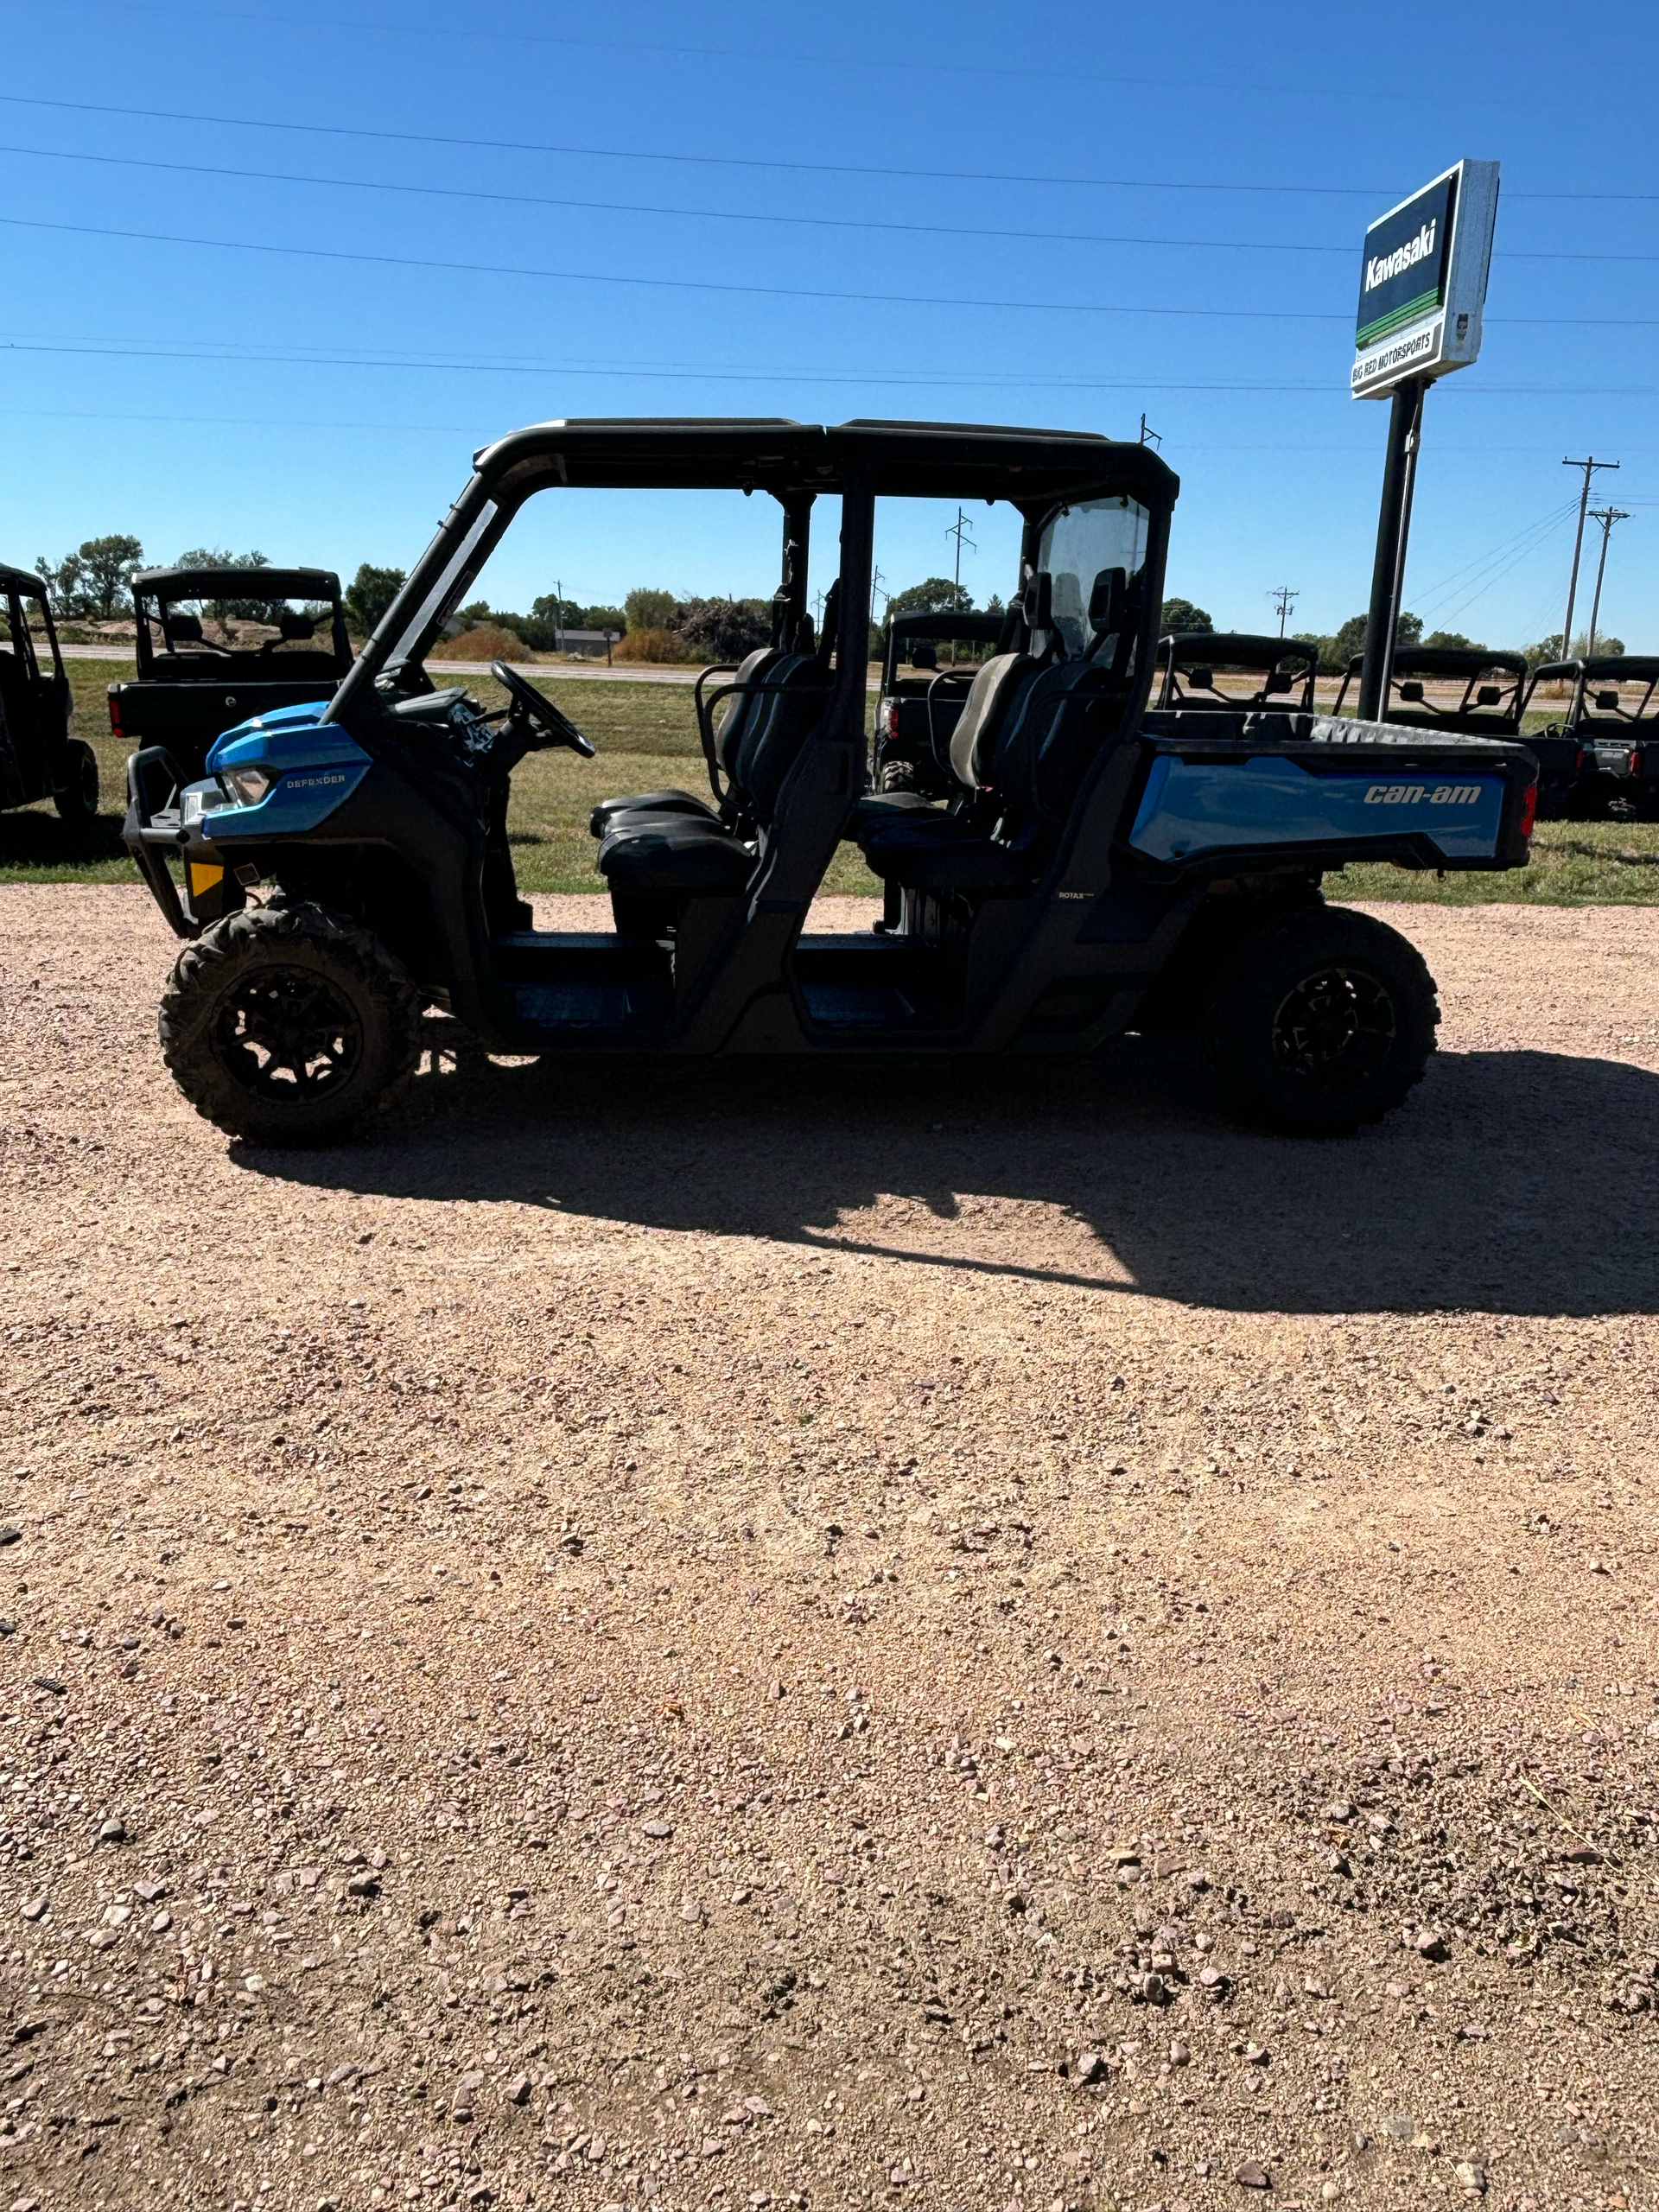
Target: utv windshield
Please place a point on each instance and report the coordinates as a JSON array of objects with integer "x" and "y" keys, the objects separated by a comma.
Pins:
[{"x": 1077, "y": 543}]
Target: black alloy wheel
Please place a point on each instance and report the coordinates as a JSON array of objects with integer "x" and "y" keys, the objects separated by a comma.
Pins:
[
  {"x": 1333, "y": 1031},
  {"x": 289, "y": 1034}
]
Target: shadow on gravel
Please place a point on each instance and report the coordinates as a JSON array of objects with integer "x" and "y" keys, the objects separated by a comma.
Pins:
[{"x": 1513, "y": 1182}]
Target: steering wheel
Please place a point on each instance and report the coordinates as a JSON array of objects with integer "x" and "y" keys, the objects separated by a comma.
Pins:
[{"x": 531, "y": 706}]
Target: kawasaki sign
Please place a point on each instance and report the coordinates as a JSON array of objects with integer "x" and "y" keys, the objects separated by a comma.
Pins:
[{"x": 1422, "y": 281}]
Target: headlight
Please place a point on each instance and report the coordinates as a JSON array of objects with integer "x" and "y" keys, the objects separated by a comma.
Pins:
[{"x": 247, "y": 787}]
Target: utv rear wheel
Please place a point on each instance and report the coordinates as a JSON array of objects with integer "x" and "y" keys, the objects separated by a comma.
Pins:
[
  {"x": 289, "y": 1025},
  {"x": 1321, "y": 1023},
  {"x": 76, "y": 797}
]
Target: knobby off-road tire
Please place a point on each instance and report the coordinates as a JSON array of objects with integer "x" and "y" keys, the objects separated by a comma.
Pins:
[
  {"x": 76, "y": 797},
  {"x": 289, "y": 1024},
  {"x": 1319, "y": 1023}
]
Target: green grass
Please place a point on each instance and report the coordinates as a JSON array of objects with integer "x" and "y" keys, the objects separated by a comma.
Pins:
[{"x": 647, "y": 735}]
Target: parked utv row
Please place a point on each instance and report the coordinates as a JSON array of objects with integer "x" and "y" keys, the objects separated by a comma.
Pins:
[
  {"x": 1062, "y": 859},
  {"x": 1598, "y": 759}
]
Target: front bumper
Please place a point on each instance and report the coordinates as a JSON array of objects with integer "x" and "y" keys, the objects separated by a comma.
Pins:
[{"x": 161, "y": 828}]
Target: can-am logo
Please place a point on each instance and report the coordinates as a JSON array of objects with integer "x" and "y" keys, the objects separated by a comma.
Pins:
[{"x": 1382, "y": 269}]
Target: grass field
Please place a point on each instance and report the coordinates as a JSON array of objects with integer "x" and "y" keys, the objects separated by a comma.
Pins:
[{"x": 647, "y": 735}]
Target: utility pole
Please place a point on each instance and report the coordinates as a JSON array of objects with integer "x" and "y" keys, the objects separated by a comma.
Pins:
[
  {"x": 962, "y": 531},
  {"x": 1589, "y": 466},
  {"x": 1606, "y": 516},
  {"x": 1283, "y": 600}
]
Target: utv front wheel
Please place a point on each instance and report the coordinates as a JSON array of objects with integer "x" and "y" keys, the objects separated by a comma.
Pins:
[
  {"x": 289, "y": 1024},
  {"x": 76, "y": 797},
  {"x": 1321, "y": 1023}
]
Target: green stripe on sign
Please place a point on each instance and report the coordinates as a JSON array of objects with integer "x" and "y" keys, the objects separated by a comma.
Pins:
[{"x": 1368, "y": 333}]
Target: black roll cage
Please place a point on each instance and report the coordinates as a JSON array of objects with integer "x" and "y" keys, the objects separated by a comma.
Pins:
[
  {"x": 1623, "y": 668},
  {"x": 170, "y": 586},
  {"x": 1037, "y": 471},
  {"x": 1235, "y": 652},
  {"x": 1467, "y": 663}
]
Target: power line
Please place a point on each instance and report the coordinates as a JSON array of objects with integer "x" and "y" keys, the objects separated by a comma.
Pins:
[
  {"x": 752, "y": 291},
  {"x": 428, "y": 139},
  {"x": 730, "y": 215},
  {"x": 817, "y": 62}
]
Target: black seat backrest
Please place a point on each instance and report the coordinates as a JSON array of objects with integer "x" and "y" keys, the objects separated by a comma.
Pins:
[
  {"x": 181, "y": 629},
  {"x": 744, "y": 705},
  {"x": 991, "y": 697},
  {"x": 794, "y": 704}
]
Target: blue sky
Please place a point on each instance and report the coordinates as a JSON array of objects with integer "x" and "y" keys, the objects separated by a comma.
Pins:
[{"x": 712, "y": 205}]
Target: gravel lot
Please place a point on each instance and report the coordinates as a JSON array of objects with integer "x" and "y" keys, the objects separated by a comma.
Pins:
[{"x": 751, "y": 1641}]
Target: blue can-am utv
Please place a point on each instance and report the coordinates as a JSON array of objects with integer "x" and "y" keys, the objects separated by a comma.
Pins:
[{"x": 1095, "y": 866}]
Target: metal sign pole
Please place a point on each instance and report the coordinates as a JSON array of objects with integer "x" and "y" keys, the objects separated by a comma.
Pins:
[{"x": 1393, "y": 528}]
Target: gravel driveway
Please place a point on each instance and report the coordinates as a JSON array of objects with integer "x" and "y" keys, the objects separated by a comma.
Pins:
[{"x": 733, "y": 1639}]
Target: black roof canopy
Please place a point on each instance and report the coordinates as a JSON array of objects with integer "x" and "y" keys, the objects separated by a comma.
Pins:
[
  {"x": 1031, "y": 468},
  {"x": 1640, "y": 668},
  {"x": 173, "y": 584},
  {"x": 21, "y": 582},
  {"x": 1234, "y": 649}
]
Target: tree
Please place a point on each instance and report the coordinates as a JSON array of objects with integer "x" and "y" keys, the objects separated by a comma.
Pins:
[
  {"x": 225, "y": 609},
  {"x": 1182, "y": 614},
  {"x": 368, "y": 596},
  {"x": 1350, "y": 638},
  {"x": 937, "y": 595},
  {"x": 725, "y": 629},
  {"x": 649, "y": 610},
  {"x": 90, "y": 580},
  {"x": 1454, "y": 638},
  {"x": 66, "y": 584}
]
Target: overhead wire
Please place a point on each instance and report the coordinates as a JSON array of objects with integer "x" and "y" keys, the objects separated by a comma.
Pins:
[
  {"x": 427, "y": 139},
  {"x": 939, "y": 64},
  {"x": 735, "y": 215},
  {"x": 756, "y": 291}
]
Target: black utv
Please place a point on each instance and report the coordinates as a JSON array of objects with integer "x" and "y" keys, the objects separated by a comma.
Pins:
[
  {"x": 1095, "y": 867},
  {"x": 1206, "y": 671},
  {"x": 1601, "y": 758},
  {"x": 922, "y": 695},
  {"x": 1463, "y": 689},
  {"x": 38, "y": 757},
  {"x": 217, "y": 646}
]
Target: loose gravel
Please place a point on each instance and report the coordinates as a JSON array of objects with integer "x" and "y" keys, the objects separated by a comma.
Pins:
[{"x": 709, "y": 1637}]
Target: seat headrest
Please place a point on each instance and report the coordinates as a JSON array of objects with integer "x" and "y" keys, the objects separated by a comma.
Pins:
[
  {"x": 181, "y": 629},
  {"x": 1038, "y": 598},
  {"x": 295, "y": 627}
]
